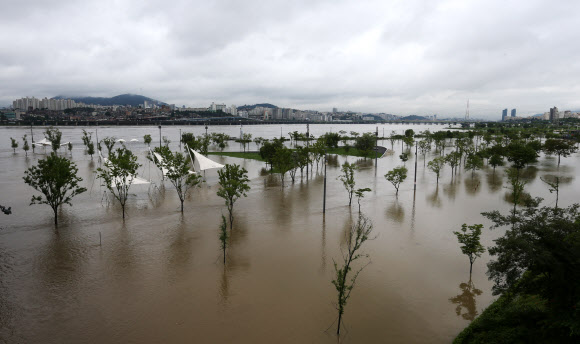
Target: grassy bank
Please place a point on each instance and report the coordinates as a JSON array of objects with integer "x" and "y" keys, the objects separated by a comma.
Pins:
[
  {"x": 242, "y": 155},
  {"x": 520, "y": 319}
]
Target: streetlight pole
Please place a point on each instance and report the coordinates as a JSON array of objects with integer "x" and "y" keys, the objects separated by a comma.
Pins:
[
  {"x": 31, "y": 134},
  {"x": 159, "y": 137},
  {"x": 324, "y": 196},
  {"x": 307, "y": 147},
  {"x": 376, "y": 146},
  {"x": 416, "y": 158}
]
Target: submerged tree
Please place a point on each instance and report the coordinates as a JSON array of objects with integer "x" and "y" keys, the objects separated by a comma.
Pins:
[
  {"x": 109, "y": 143},
  {"x": 56, "y": 177},
  {"x": 559, "y": 147},
  {"x": 179, "y": 175},
  {"x": 25, "y": 145},
  {"x": 469, "y": 237},
  {"x": 347, "y": 179},
  {"x": 233, "y": 181},
  {"x": 14, "y": 144},
  {"x": 284, "y": 162},
  {"x": 54, "y": 136},
  {"x": 147, "y": 139},
  {"x": 473, "y": 162},
  {"x": 119, "y": 173},
  {"x": 516, "y": 186},
  {"x": 436, "y": 165},
  {"x": 355, "y": 237},
  {"x": 397, "y": 176},
  {"x": 224, "y": 236},
  {"x": 360, "y": 194},
  {"x": 553, "y": 183}
]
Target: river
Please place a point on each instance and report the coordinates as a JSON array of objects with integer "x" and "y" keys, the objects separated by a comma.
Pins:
[{"x": 158, "y": 277}]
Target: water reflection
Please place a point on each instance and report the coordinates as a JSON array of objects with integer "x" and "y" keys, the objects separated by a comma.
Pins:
[
  {"x": 529, "y": 174},
  {"x": 272, "y": 180},
  {"x": 434, "y": 198},
  {"x": 466, "y": 300},
  {"x": 396, "y": 212},
  {"x": 451, "y": 189},
  {"x": 332, "y": 160},
  {"x": 472, "y": 185},
  {"x": 323, "y": 246},
  {"x": 494, "y": 181}
]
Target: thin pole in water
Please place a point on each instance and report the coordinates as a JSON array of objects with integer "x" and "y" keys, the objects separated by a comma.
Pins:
[
  {"x": 415, "y": 187},
  {"x": 376, "y": 146},
  {"x": 32, "y": 134},
  {"x": 324, "y": 197},
  {"x": 179, "y": 139},
  {"x": 307, "y": 147},
  {"x": 159, "y": 137},
  {"x": 100, "y": 240}
]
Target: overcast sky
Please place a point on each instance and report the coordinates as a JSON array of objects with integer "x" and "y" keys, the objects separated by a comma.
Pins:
[{"x": 400, "y": 57}]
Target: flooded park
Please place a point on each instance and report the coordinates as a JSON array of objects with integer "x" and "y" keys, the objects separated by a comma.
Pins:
[{"x": 158, "y": 277}]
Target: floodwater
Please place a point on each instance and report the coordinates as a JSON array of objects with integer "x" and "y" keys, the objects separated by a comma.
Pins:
[{"x": 158, "y": 276}]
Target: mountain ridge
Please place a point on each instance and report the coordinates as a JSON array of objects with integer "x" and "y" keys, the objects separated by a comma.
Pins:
[{"x": 121, "y": 99}]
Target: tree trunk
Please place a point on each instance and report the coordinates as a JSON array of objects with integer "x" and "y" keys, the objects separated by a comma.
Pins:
[
  {"x": 123, "y": 207},
  {"x": 339, "y": 320},
  {"x": 55, "y": 216}
]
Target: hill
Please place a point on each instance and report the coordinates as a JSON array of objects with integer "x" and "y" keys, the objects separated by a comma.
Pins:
[
  {"x": 251, "y": 107},
  {"x": 122, "y": 99},
  {"x": 414, "y": 118}
]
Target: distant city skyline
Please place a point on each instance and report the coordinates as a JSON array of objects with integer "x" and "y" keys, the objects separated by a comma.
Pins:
[{"x": 401, "y": 57}]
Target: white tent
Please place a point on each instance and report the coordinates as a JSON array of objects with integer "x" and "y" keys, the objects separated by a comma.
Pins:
[
  {"x": 134, "y": 140},
  {"x": 121, "y": 140},
  {"x": 44, "y": 142},
  {"x": 201, "y": 163},
  {"x": 161, "y": 163}
]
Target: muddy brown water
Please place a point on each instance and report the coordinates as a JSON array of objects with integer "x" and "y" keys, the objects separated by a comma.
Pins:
[{"x": 158, "y": 276}]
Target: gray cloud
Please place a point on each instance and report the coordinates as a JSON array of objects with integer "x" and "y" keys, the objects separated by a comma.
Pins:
[{"x": 402, "y": 57}]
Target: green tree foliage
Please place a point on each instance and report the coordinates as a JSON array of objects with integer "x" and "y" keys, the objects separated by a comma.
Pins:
[
  {"x": 436, "y": 166},
  {"x": 553, "y": 183},
  {"x": 397, "y": 176},
  {"x": 356, "y": 236},
  {"x": 233, "y": 181},
  {"x": 473, "y": 162},
  {"x": 496, "y": 160},
  {"x": 200, "y": 143},
  {"x": 179, "y": 175},
  {"x": 331, "y": 139},
  {"x": 539, "y": 257},
  {"x": 409, "y": 133},
  {"x": 360, "y": 194},
  {"x": 302, "y": 158},
  {"x": 244, "y": 140},
  {"x": 109, "y": 143},
  {"x": 469, "y": 238},
  {"x": 54, "y": 136},
  {"x": 14, "y": 144},
  {"x": 119, "y": 173},
  {"x": 453, "y": 159},
  {"x": 347, "y": 179},
  {"x": 366, "y": 143},
  {"x": 87, "y": 138},
  {"x": 269, "y": 149},
  {"x": 56, "y": 178},
  {"x": 91, "y": 149},
  {"x": 147, "y": 139},
  {"x": 559, "y": 147},
  {"x": 424, "y": 148},
  {"x": 516, "y": 186},
  {"x": 25, "y": 145},
  {"x": 520, "y": 155},
  {"x": 284, "y": 162},
  {"x": 224, "y": 236}
]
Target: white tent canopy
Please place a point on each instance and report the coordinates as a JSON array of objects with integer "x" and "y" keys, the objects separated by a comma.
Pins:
[
  {"x": 43, "y": 142},
  {"x": 134, "y": 140},
  {"x": 201, "y": 163},
  {"x": 121, "y": 140}
]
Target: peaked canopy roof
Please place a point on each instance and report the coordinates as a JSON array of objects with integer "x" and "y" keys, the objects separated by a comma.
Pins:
[{"x": 201, "y": 163}]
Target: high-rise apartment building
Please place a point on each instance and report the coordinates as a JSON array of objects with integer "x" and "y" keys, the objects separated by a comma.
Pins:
[
  {"x": 513, "y": 113},
  {"x": 554, "y": 114},
  {"x": 504, "y": 115}
]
